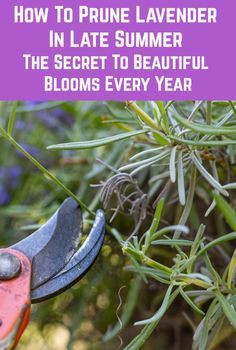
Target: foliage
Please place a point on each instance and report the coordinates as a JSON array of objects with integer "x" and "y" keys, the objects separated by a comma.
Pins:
[{"x": 165, "y": 174}]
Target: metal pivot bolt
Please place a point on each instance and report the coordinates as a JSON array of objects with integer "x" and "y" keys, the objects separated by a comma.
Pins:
[{"x": 10, "y": 266}]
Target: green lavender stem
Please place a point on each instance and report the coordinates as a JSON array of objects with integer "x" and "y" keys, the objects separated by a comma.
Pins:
[{"x": 7, "y": 136}]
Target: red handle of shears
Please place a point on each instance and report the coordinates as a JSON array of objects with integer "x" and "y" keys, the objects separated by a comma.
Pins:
[{"x": 14, "y": 303}]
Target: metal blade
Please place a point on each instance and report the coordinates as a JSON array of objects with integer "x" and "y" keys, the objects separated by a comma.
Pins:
[
  {"x": 52, "y": 246},
  {"x": 77, "y": 266}
]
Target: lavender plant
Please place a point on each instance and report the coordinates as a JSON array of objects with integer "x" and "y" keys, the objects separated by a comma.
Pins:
[{"x": 165, "y": 173}]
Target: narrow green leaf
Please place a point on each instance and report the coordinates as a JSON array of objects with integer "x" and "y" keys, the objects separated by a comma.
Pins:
[
  {"x": 209, "y": 112},
  {"x": 189, "y": 202},
  {"x": 145, "y": 153},
  {"x": 198, "y": 239},
  {"x": 180, "y": 242},
  {"x": 229, "y": 237},
  {"x": 190, "y": 302},
  {"x": 160, "y": 137},
  {"x": 195, "y": 279},
  {"x": 172, "y": 166},
  {"x": 203, "y": 336},
  {"x": 12, "y": 118},
  {"x": 195, "y": 109},
  {"x": 227, "y": 211},
  {"x": 142, "y": 114},
  {"x": 138, "y": 342},
  {"x": 204, "y": 128},
  {"x": 96, "y": 143},
  {"x": 148, "y": 161},
  {"x": 214, "y": 143},
  {"x": 230, "y": 186},
  {"x": 228, "y": 309},
  {"x": 156, "y": 265},
  {"x": 167, "y": 229},
  {"x": 211, "y": 269},
  {"x": 181, "y": 186},
  {"x": 157, "y": 115},
  {"x": 163, "y": 115},
  {"x": 160, "y": 313},
  {"x": 210, "y": 208},
  {"x": 155, "y": 223},
  {"x": 210, "y": 179},
  {"x": 233, "y": 107},
  {"x": 219, "y": 333},
  {"x": 150, "y": 272},
  {"x": 232, "y": 271},
  {"x": 157, "y": 216}
]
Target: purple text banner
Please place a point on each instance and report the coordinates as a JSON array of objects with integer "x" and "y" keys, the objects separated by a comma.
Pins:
[{"x": 117, "y": 50}]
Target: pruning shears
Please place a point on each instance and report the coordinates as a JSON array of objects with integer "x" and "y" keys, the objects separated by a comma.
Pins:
[{"x": 43, "y": 265}]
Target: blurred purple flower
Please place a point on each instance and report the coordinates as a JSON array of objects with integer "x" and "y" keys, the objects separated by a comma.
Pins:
[
  {"x": 9, "y": 179},
  {"x": 2, "y": 173},
  {"x": 33, "y": 151},
  {"x": 45, "y": 160},
  {"x": 21, "y": 125},
  {"x": 32, "y": 103},
  {"x": 4, "y": 195},
  {"x": 55, "y": 118},
  {"x": 14, "y": 174}
]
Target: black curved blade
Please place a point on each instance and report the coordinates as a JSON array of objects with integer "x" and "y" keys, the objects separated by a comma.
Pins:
[
  {"x": 52, "y": 246},
  {"x": 77, "y": 266}
]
